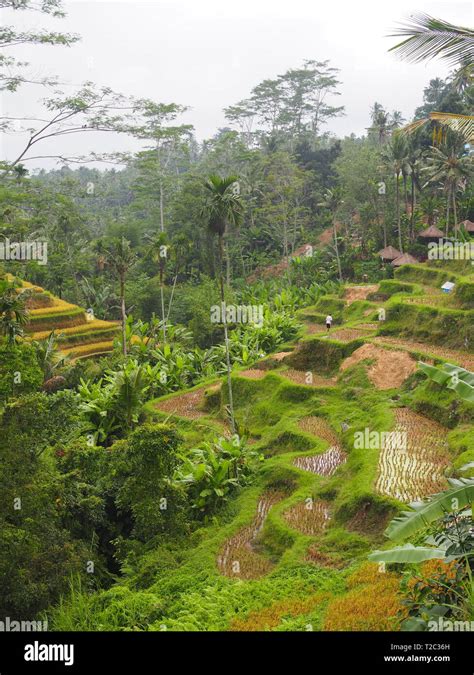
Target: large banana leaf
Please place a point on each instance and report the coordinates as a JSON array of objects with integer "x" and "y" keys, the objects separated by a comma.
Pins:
[
  {"x": 408, "y": 554},
  {"x": 459, "y": 496},
  {"x": 456, "y": 378}
]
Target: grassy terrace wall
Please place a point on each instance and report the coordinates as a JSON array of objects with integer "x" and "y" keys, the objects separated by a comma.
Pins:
[
  {"x": 435, "y": 325},
  {"x": 321, "y": 355},
  {"x": 425, "y": 275}
]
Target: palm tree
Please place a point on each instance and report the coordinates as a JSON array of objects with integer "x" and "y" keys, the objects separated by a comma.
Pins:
[
  {"x": 223, "y": 207},
  {"x": 48, "y": 354},
  {"x": 13, "y": 312},
  {"x": 427, "y": 38},
  {"x": 450, "y": 166},
  {"x": 121, "y": 258},
  {"x": 396, "y": 158},
  {"x": 332, "y": 202}
]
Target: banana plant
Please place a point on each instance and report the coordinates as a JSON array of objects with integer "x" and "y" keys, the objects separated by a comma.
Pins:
[{"x": 453, "y": 377}]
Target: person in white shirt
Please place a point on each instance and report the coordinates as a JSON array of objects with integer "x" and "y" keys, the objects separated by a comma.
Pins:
[{"x": 328, "y": 322}]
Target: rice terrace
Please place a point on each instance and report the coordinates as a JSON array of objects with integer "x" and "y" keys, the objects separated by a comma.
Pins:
[{"x": 237, "y": 330}]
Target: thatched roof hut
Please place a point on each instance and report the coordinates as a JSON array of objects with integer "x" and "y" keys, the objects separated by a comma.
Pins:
[
  {"x": 389, "y": 253},
  {"x": 405, "y": 259},
  {"x": 432, "y": 233},
  {"x": 468, "y": 225}
]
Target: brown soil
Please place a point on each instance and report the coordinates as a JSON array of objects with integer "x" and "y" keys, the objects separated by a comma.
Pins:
[
  {"x": 253, "y": 374},
  {"x": 391, "y": 368},
  {"x": 353, "y": 293},
  {"x": 186, "y": 405},
  {"x": 238, "y": 558},
  {"x": 413, "y": 470}
]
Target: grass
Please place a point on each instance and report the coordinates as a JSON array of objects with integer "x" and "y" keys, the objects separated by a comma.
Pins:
[{"x": 302, "y": 568}]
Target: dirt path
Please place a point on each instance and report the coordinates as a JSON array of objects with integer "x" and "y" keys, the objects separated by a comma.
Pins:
[
  {"x": 464, "y": 359},
  {"x": 324, "y": 464},
  {"x": 413, "y": 460},
  {"x": 238, "y": 558},
  {"x": 390, "y": 368}
]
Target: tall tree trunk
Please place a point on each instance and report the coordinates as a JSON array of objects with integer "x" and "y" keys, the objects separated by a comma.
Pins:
[
  {"x": 399, "y": 225},
  {"x": 448, "y": 209},
  {"x": 226, "y": 334},
  {"x": 337, "y": 250},
  {"x": 124, "y": 315},
  {"x": 162, "y": 293},
  {"x": 455, "y": 210},
  {"x": 412, "y": 204},
  {"x": 162, "y": 215}
]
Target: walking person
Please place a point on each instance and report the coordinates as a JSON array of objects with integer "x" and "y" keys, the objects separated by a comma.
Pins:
[{"x": 329, "y": 322}]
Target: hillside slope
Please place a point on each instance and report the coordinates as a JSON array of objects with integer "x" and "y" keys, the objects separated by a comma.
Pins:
[{"x": 291, "y": 552}]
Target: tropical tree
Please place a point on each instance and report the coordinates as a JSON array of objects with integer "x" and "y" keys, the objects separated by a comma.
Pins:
[
  {"x": 223, "y": 207},
  {"x": 332, "y": 202},
  {"x": 396, "y": 158},
  {"x": 427, "y": 38},
  {"x": 13, "y": 312},
  {"x": 49, "y": 357},
  {"x": 450, "y": 166},
  {"x": 120, "y": 258},
  {"x": 158, "y": 251}
]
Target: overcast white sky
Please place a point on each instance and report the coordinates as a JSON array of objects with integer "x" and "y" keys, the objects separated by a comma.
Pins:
[{"x": 208, "y": 54}]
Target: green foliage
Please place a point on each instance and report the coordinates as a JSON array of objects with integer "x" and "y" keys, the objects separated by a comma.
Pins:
[{"x": 20, "y": 372}]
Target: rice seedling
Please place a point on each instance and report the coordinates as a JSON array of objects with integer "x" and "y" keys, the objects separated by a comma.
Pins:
[
  {"x": 308, "y": 517},
  {"x": 324, "y": 464},
  {"x": 239, "y": 557},
  {"x": 415, "y": 470}
]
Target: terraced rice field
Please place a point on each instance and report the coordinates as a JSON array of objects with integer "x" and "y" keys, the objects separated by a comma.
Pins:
[
  {"x": 409, "y": 472},
  {"x": 326, "y": 463},
  {"x": 187, "y": 405},
  {"x": 239, "y": 558},
  {"x": 464, "y": 359},
  {"x": 308, "y": 517},
  {"x": 81, "y": 337}
]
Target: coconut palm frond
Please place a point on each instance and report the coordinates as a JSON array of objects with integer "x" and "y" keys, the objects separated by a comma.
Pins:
[
  {"x": 428, "y": 38},
  {"x": 461, "y": 124}
]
